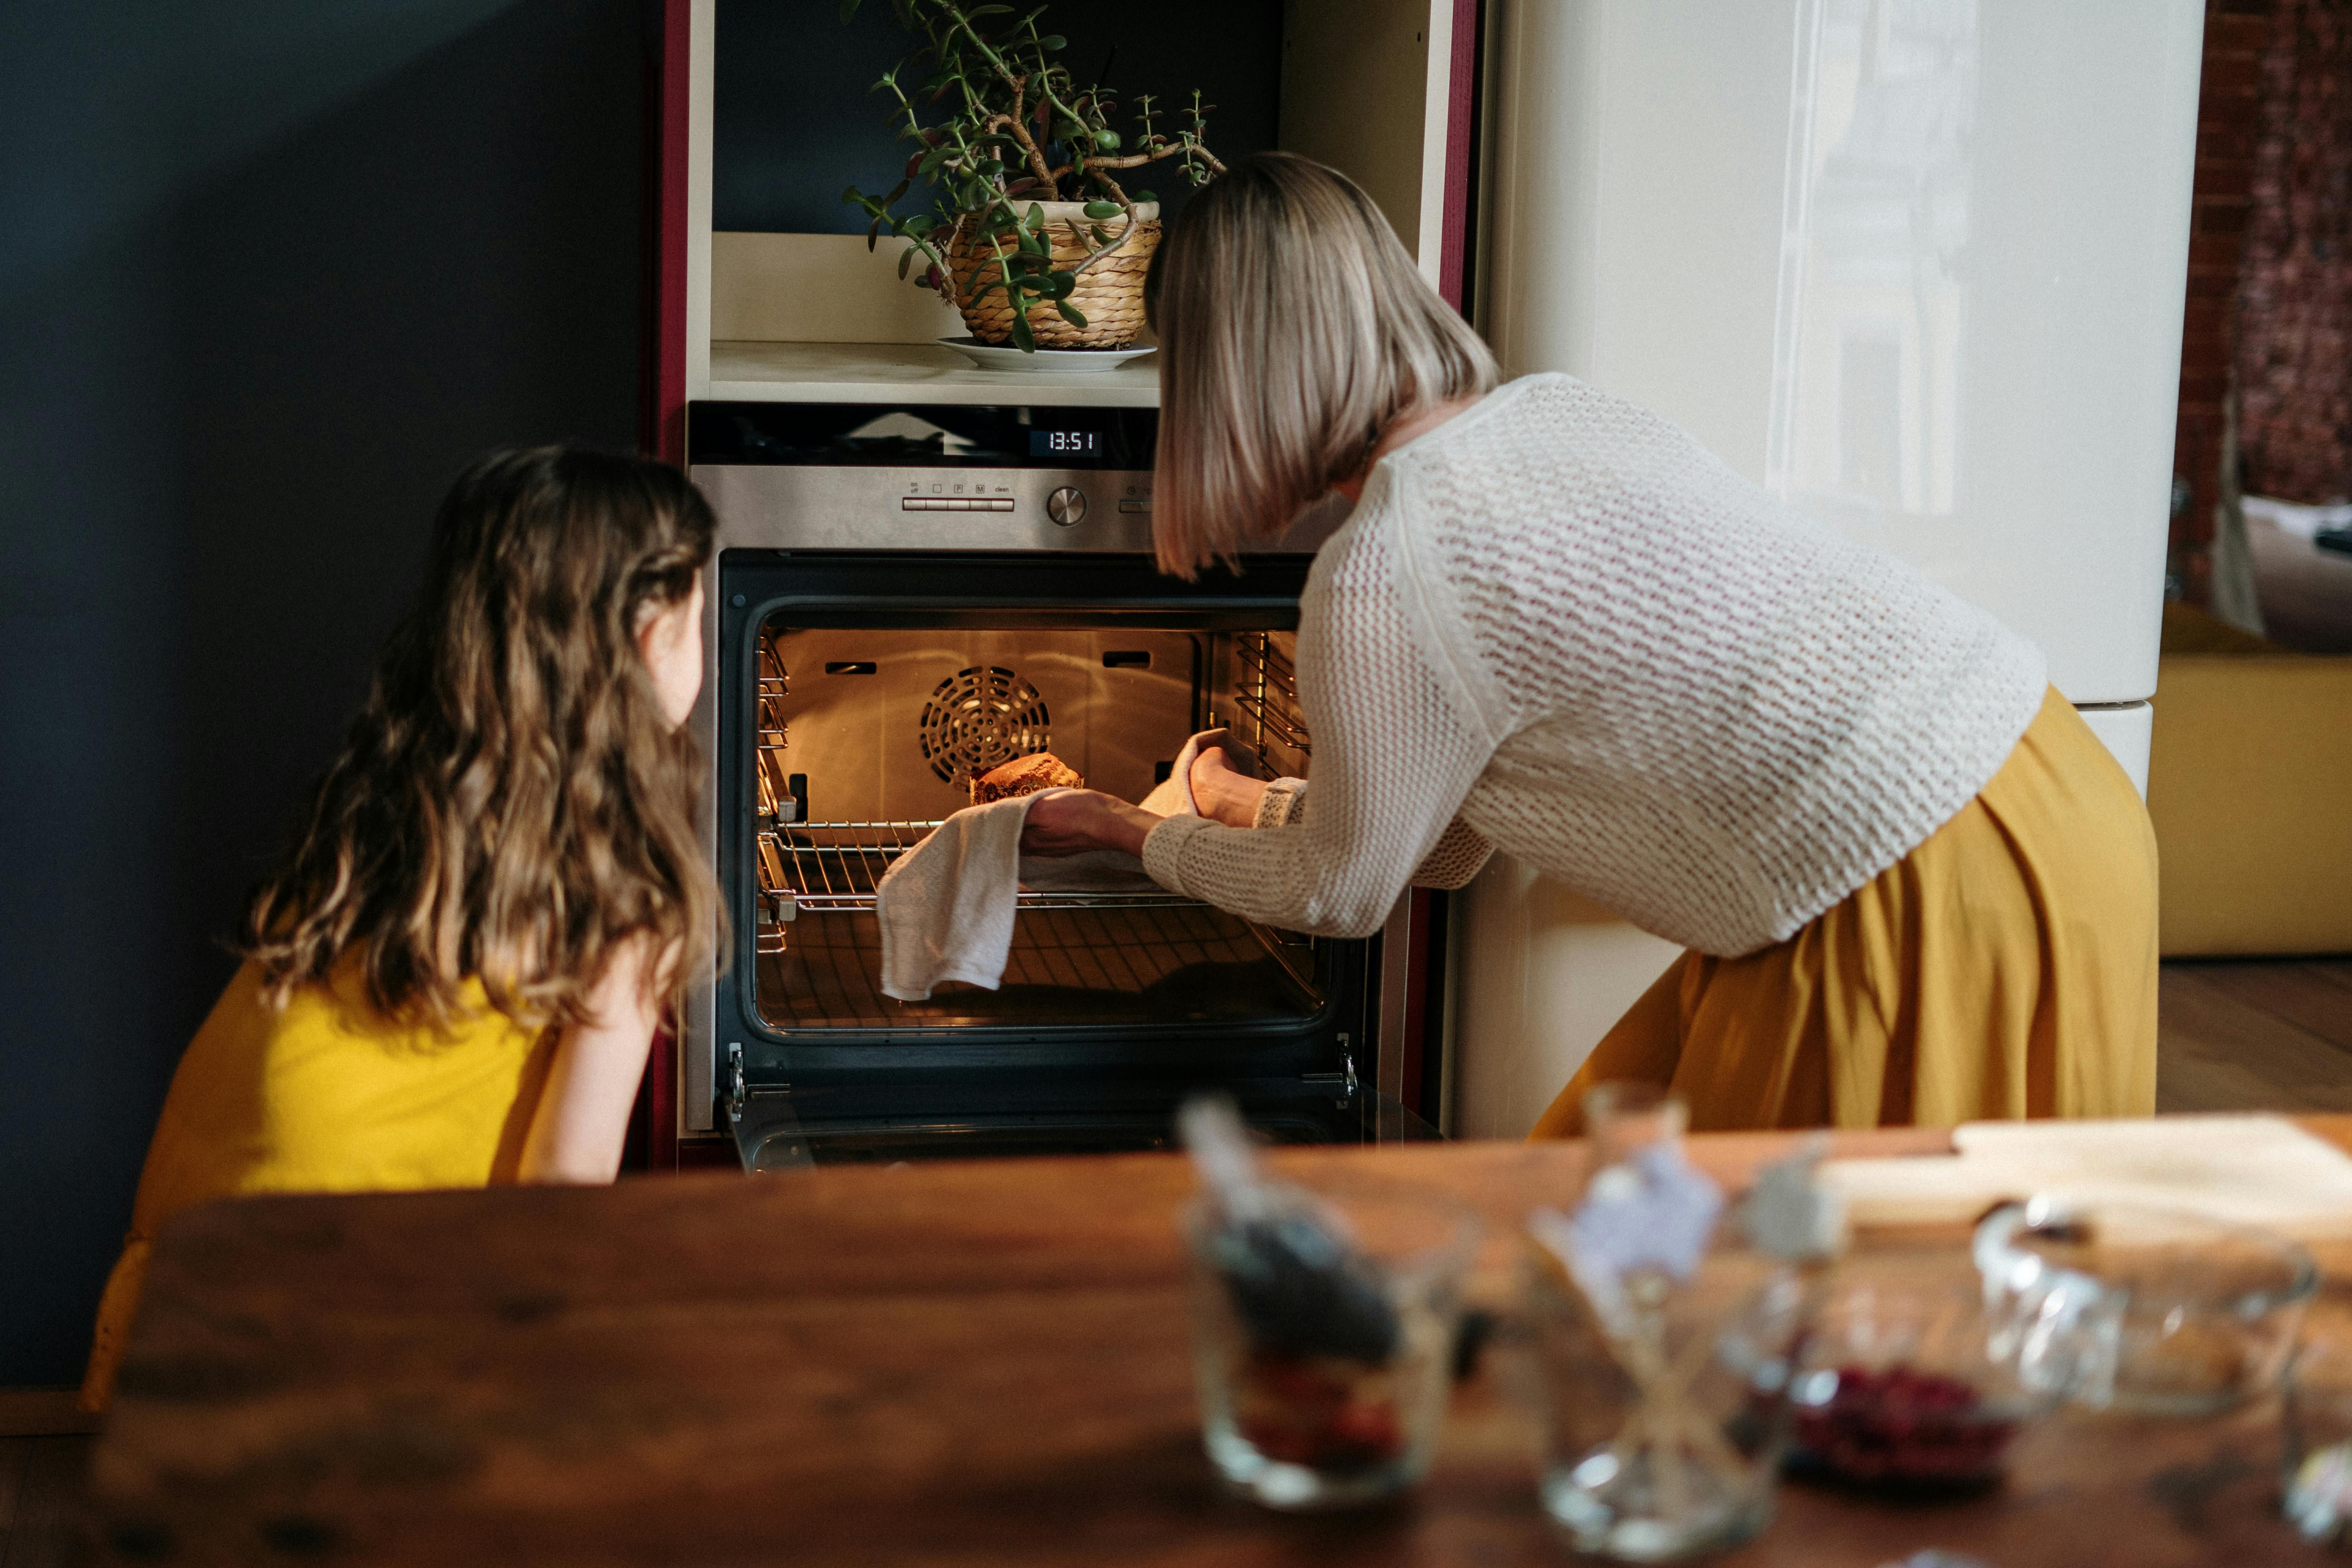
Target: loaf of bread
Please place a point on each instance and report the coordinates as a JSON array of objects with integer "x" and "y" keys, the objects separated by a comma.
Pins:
[{"x": 1024, "y": 776}]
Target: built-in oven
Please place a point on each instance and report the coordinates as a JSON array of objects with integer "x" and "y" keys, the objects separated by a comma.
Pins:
[{"x": 905, "y": 595}]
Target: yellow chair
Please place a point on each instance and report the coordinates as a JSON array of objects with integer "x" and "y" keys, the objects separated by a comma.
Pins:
[{"x": 2250, "y": 782}]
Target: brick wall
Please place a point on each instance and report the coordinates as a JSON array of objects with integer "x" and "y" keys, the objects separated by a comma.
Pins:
[
  {"x": 2294, "y": 300},
  {"x": 2228, "y": 134}
]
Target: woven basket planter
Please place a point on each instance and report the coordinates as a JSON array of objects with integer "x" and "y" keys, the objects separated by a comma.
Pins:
[{"x": 1109, "y": 294}]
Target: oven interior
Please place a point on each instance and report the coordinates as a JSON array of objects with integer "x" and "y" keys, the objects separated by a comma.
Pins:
[
  {"x": 856, "y": 693},
  {"x": 865, "y": 737}
]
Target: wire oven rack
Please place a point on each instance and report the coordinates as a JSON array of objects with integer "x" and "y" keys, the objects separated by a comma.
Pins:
[
  {"x": 1097, "y": 958},
  {"x": 1267, "y": 693},
  {"x": 834, "y": 867},
  {"x": 1098, "y": 966}
]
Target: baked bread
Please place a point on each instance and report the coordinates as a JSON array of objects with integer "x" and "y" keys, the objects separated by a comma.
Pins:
[{"x": 1024, "y": 776}]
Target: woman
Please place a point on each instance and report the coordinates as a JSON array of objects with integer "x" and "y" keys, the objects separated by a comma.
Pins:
[
  {"x": 1913, "y": 886},
  {"x": 452, "y": 974}
]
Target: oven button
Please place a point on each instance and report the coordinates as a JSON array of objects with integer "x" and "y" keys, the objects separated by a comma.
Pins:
[
  {"x": 1135, "y": 506},
  {"x": 1067, "y": 506}
]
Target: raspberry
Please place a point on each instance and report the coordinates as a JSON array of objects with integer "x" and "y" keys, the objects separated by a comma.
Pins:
[
  {"x": 1900, "y": 1424},
  {"x": 1322, "y": 1412}
]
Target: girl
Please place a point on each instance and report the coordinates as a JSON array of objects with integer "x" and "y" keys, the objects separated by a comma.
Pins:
[
  {"x": 1912, "y": 885},
  {"x": 453, "y": 975}
]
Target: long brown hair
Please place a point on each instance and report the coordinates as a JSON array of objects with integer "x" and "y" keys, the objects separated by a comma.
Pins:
[
  {"x": 511, "y": 803},
  {"x": 1293, "y": 330}
]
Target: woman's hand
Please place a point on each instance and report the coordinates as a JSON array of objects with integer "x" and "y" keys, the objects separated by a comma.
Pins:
[
  {"x": 1073, "y": 821},
  {"x": 1223, "y": 793}
]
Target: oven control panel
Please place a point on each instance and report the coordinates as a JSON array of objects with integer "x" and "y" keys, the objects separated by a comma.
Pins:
[
  {"x": 1067, "y": 505},
  {"x": 917, "y": 475},
  {"x": 774, "y": 507},
  {"x": 955, "y": 503},
  {"x": 807, "y": 476}
]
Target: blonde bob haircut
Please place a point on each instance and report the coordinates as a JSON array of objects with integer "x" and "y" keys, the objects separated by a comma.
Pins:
[{"x": 1293, "y": 331}]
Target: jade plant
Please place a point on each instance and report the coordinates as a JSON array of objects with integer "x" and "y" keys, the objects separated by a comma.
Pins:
[{"x": 1001, "y": 126}]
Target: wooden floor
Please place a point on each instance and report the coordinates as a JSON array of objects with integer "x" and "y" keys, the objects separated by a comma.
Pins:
[
  {"x": 2255, "y": 1035},
  {"x": 2232, "y": 1035}
]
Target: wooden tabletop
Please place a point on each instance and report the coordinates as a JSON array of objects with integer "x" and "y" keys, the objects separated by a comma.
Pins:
[{"x": 966, "y": 1364}]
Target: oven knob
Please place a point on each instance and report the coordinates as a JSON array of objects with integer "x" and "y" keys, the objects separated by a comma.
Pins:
[{"x": 1067, "y": 506}]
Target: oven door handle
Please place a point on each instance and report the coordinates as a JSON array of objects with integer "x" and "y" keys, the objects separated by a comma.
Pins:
[{"x": 1344, "y": 1079}]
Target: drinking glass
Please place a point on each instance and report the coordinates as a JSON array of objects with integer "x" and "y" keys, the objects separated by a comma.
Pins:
[
  {"x": 1661, "y": 1392},
  {"x": 2199, "y": 1314},
  {"x": 1303, "y": 1421},
  {"x": 1909, "y": 1384},
  {"x": 2315, "y": 1455}
]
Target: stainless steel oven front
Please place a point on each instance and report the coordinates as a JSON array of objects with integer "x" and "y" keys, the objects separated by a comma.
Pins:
[{"x": 904, "y": 595}]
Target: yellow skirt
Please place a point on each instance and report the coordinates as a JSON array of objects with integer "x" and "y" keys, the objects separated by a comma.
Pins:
[{"x": 2004, "y": 968}]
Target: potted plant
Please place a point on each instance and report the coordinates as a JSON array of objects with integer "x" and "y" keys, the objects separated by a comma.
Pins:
[{"x": 1033, "y": 235}]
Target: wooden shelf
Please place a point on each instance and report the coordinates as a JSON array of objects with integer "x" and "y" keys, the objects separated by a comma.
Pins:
[{"x": 888, "y": 373}]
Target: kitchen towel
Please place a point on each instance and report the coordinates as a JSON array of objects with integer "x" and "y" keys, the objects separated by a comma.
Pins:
[
  {"x": 947, "y": 906},
  {"x": 1172, "y": 797}
]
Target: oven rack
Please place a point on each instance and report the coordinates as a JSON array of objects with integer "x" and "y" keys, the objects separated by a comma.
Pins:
[
  {"x": 1105, "y": 967},
  {"x": 1267, "y": 694},
  {"x": 832, "y": 866}
]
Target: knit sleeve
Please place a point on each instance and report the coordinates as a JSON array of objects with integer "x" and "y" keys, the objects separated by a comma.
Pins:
[
  {"x": 1395, "y": 758},
  {"x": 1460, "y": 854},
  {"x": 1284, "y": 803}
]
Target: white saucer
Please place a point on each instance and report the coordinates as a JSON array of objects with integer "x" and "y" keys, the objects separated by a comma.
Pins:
[{"x": 1044, "y": 362}]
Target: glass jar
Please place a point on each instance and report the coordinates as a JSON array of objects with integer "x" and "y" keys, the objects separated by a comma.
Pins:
[
  {"x": 2197, "y": 1314},
  {"x": 2316, "y": 1455},
  {"x": 1911, "y": 1384},
  {"x": 1662, "y": 1369},
  {"x": 1326, "y": 1389}
]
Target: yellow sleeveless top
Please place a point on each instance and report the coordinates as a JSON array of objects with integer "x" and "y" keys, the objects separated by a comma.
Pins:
[{"x": 325, "y": 1095}]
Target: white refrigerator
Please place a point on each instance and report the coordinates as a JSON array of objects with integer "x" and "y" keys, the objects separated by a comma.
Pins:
[{"x": 1916, "y": 267}]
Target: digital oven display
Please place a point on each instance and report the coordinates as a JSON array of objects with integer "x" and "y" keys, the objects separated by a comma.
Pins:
[{"x": 1064, "y": 443}]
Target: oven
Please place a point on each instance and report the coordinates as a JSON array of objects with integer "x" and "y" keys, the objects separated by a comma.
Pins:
[{"x": 905, "y": 594}]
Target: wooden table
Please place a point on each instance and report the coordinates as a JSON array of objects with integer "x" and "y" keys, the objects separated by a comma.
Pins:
[{"x": 964, "y": 1365}]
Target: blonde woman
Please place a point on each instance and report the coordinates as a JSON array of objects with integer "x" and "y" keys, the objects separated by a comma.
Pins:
[{"x": 1913, "y": 886}]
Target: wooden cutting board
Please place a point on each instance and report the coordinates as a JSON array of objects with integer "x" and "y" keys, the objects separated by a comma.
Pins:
[{"x": 2255, "y": 1170}]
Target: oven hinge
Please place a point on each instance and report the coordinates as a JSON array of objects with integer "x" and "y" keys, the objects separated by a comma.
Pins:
[
  {"x": 1345, "y": 1078},
  {"x": 735, "y": 1081}
]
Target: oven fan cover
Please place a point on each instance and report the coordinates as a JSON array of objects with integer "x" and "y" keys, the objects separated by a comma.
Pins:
[{"x": 980, "y": 717}]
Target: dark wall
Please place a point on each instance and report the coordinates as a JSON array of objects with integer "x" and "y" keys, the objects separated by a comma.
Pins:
[
  {"x": 794, "y": 120},
  {"x": 270, "y": 273}
]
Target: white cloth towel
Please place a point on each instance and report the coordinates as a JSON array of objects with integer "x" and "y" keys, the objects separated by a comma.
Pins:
[
  {"x": 947, "y": 906},
  {"x": 1172, "y": 797}
]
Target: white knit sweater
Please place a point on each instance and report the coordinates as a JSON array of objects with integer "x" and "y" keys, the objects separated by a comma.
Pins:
[{"x": 1557, "y": 626}]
